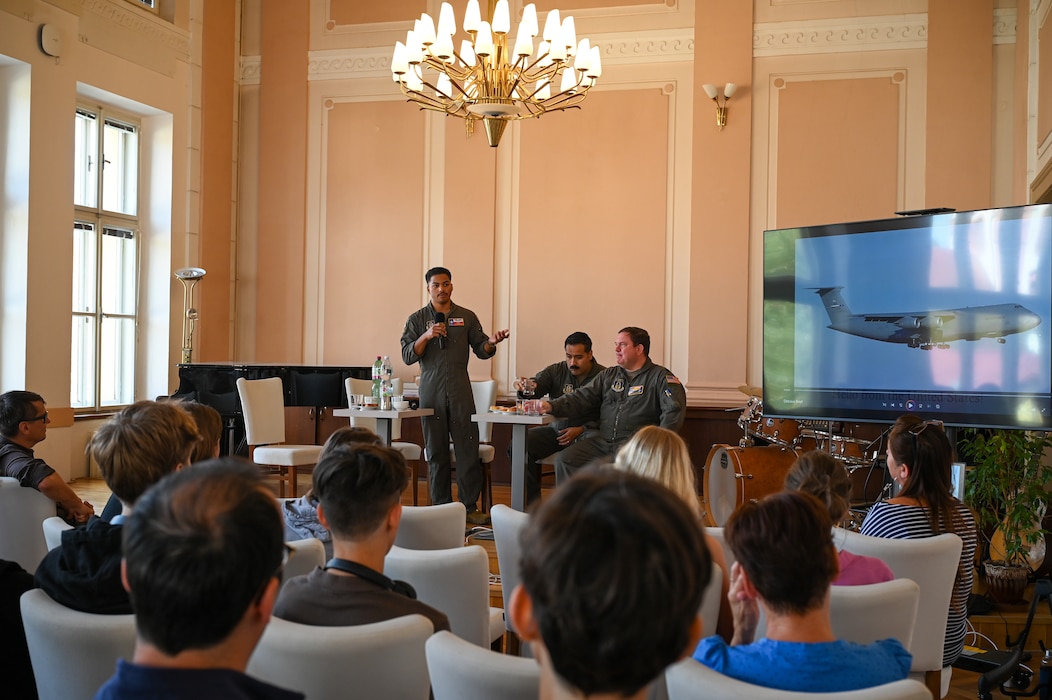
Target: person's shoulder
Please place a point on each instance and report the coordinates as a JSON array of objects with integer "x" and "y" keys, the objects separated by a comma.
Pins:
[
  {"x": 712, "y": 652},
  {"x": 894, "y": 651}
]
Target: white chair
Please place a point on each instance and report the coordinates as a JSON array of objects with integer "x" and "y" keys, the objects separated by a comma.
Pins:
[
  {"x": 379, "y": 661},
  {"x": 454, "y": 581},
  {"x": 263, "y": 406},
  {"x": 463, "y": 671},
  {"x": 865, "y": 614},
  {"x": 710, "y": 602},
  {"x": 689, "y": 680},
  {"x": 21, "y": 509},
  {"x": 410, "y": 450},
  {"x": 73, "y": 653},
  {"x": 306, "y": 555},
  {"x": 508, "y": 524},
  {"x": 53, "y": 529},
  {"x": 432, "y": 527},
  {"x": 932, "y": 562},
  {"x": 717, "y": 534},
  {"x": 485, "y": 395}
]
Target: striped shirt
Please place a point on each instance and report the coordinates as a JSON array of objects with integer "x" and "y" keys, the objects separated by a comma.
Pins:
[{"x": 904, "y": 522}]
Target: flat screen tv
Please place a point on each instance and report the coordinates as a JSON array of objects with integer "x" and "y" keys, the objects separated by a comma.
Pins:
[{"x": 945, "y": 315}]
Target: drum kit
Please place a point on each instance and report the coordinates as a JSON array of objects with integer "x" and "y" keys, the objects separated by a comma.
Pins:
[{"x": 748, "y": 471}]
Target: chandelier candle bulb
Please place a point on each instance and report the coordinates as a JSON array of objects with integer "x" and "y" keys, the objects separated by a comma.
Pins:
[
  {"x": 501, "y": 20},
  {"x": 569, "y": 34},
  {"x": 426, "y": 29},
  {"x": 484, "y": 41},
  {"x": 472, "y": 17},
  {"x": 552, "y": 26},
  {"x": 529, "y": 20},
  {"x": 524, "y": 41},
  {"x": 399, "y": 62},
  {"x": 467, "y": 53},
  {"x": 583, "y": 60},
  {"x": 443, "y": 47},
  {"x": 447, "y": 24}
]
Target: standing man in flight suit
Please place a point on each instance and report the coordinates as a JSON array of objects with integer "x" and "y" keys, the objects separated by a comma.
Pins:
[
  {"x": 556, "y": 380},
  {"x": 634, "y": 394},
  {"x": 438, "y": 336}
]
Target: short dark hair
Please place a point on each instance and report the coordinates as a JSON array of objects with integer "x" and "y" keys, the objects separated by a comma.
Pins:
[
  {"x": 350, "y": 435},
  {"x": 785, "y": 544},
  {"x": 209, "y": 430},
  {"x": 437, "y": 271},
  {"x": 199, "y": 548},
  {"x": 615, "y": 566},
  {"x": 639, "y": 337},
  {"x": 579, "y": 338},
  {"x": 824, "y": 477},
  {"x": 15, "y": 407},
  {"x": 357, "y": 487},
  {"x": 141, "y": 444}
]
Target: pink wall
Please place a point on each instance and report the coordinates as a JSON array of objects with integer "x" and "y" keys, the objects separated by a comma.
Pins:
[
  {"x": 960, "y": 116},
  {"x": 837, "y": 150},
  {"x": 217, "y": 167},
  {"x": 346, "y": 12},
  {"x": 282, "y": 175}
]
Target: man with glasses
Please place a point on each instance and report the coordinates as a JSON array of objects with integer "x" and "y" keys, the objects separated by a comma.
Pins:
[
  {"x": 23, "y": 423},
  {"x": 203, "y": 558}
]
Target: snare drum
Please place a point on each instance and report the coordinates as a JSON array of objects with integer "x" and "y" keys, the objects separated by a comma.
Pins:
[
  {"x": 778, "y": 431},
  {"x": 736, "y": 474}
]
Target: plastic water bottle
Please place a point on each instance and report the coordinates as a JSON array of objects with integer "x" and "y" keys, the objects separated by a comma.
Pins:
[
  {"x": 388, "y": 370},
  {"x": 378, "y": 371}
]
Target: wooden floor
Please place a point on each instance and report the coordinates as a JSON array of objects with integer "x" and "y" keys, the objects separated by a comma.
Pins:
[{"x": 962, "y": 686}]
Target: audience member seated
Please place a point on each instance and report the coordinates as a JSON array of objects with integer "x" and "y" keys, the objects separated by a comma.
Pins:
[
  {"x": 822, "y": 476},
  {"x": 209, "y": 432},
  {"x": 301, "y": 514},
  {"x": 920, "y": 460},
  {"x": 785, "y": 564},
  {"x": 359, "y": 489},
  {"x": 134, "y": 449},
  {"x": 203, "y": 555},
  {"x": 23, "y": 424},
  {"x": 660, "y": 454},
  {"x": 613, "y": 569},
  {"x": 18, "y": 671}
]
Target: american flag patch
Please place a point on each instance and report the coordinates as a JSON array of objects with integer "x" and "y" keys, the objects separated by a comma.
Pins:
[
  {"x": 455, "y": 322},
  {"x": 672, "y": 379}
]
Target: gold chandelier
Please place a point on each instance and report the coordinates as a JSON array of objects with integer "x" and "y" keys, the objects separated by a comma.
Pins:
[{"x": 491, "y": 79}]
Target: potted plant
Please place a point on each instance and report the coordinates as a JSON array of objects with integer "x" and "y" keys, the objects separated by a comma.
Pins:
[{"x": 1006, "y": 488}]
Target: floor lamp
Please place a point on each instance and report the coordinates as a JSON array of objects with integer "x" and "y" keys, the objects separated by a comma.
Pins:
[{"x": 189, "y": 276}]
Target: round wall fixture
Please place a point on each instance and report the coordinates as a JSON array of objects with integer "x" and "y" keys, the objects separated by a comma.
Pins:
[{"x": 50, "y": 40}]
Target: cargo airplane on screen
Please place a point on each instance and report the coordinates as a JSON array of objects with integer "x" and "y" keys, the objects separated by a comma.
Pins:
[{"x": 928, "y": 329}]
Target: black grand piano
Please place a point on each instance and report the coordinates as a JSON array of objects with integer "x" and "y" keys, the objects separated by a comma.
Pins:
[{"x": 314, "y": 387}]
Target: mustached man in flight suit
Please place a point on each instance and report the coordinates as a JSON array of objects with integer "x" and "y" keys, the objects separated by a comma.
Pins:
[
  {"x": 635, "y": 393},
  {"x": 439, "y": 336}
]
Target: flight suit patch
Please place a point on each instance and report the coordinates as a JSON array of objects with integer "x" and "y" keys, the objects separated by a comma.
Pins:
[
  {"x": 672, "y": 379},
  {"x": 567, "y": 388},
  {"x": 455, "y": 322},
  {"x": 636, "y": 390},
  {"x": 618, "y": 385}
]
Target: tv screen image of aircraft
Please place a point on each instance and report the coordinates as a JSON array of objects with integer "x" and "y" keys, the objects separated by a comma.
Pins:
[{"x": 954, "y": 308}]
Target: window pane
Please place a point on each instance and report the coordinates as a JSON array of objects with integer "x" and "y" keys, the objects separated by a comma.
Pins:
[
  {"x": 82, "y": 386},
  {"x": 84, "y": 273},
  {"x": 120, "y": 177},
  {"x": 117, "y": 361},
  {"x": 118, "y": 271},
  {"x": 85, "y": 155}
]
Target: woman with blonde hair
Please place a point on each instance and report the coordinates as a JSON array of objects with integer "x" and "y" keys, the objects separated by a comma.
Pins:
[
  {"x": 662, "y": 455},
  {"x": 822, "y": 476}
]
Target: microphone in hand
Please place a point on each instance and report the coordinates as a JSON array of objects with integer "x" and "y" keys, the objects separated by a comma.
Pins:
[{"x": 441, "y": 318}]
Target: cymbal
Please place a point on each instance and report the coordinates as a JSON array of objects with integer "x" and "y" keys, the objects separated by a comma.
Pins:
[{"x": 750, "y": 390}]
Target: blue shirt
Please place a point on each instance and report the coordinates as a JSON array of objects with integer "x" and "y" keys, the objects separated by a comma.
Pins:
[
  {"x": 816, "y": 667},
  {"x": 134, "y": 682}
]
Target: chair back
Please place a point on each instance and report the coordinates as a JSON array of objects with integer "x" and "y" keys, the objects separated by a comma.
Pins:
[
  {"x": 460, "y": 670},
  {"x": 716, "y": 533},
  {"x": 454, "y": 581},
  {"x": 380, "y": 661},
  {"x": 865, "y": 614},
  {"x": 53, "y": 529},
  {"x": 690, "y": 680},
  {"x": 73, "y": 653},
  {"x": 263, "y": 405},
  {"x": 305, "y": 557},
  {"x": 508, "y": 523},
  {"x": 22, "y": 509},
  {"x": 485, "y": 394},
  {"x": 362, "y": 386},
  {"x": 710, "y": 602},
  {"x": 432, "y": 527},
  {"x": 930, "y": 561}
]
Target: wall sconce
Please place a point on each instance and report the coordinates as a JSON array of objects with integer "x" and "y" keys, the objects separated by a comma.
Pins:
[{"x": 721, "y": 107}]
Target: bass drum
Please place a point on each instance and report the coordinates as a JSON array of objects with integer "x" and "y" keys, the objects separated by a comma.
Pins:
[{"x": 736, "y": 474}]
